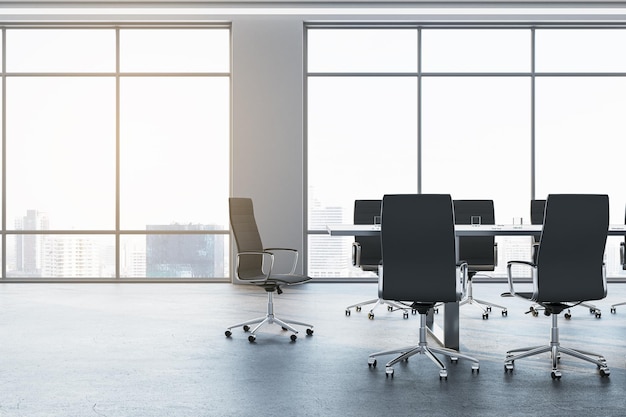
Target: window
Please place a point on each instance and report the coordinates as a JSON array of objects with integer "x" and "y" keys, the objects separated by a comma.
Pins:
[
  {"x": 117, "y": 150},
  {"x": 358, "y": 120},
  {"x": 508, "y": 114}
]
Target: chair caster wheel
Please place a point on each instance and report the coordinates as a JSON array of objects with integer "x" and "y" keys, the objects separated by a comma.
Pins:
[
  {"x": 613, "y": 310},
  {"x": 389, "y": 308},
  {"x": 405, "y": 315},
  {"x": 605, "y": 371},
  {"x": 489, "y": 309},
  {"x": 555, "y": 374},
  {"x": 293, "y": 337},
  {"x": 246, "y": 328},
  {"x": 504, "y": 313},
  {"x": 475, "y": 367},
  {"x": 371, "y": 363},
  {"x": 228, "y": 333},
  {"x": 309, "y": 332},
  {"x": 389, "y": 372},
  {"x": 358, "y": 308},
  {"x": 443, "y": 374},
  {"x": 508, "y": 367},
  {"x": 347, "y": 312},
  {"x": 370, "y": 315},
  {"x": 251, "y": 338},
  {"x": 485, "y": 316}
]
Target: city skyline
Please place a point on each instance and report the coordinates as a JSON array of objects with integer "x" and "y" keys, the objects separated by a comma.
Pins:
[{"x": 91, "y": 256}]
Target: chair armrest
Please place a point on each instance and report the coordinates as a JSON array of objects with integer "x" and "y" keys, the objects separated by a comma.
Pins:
[
  {"x": 294, "y": 252},
  {"x": 535, "y": 248},
  {"x": 509, "y": 275},
  {"x": 265, "y": 255},
  {"x": 356, "y": 254}
]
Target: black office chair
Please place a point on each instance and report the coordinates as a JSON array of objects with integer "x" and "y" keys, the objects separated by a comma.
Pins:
[
  {"x": 537, "y": 209},
  {"x": 568, "y": 271},
  {"x": 479, "y": 252},
  {"x": 419, "y": 267},
  {"x": 366, "y": 255},
  {"x": 255, "y": 264}
]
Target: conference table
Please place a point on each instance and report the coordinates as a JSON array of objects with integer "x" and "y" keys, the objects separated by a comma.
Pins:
[{"x": 448, "y": 335}]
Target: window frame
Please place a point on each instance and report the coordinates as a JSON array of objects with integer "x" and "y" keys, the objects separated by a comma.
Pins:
[{"x": 116, "y": 232}]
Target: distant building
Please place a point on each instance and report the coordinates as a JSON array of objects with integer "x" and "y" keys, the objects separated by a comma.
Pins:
[
  {"x": 328, "y": 256},
  {"x": 29, "y": 249},
  {"x": 184, "y": 256}
]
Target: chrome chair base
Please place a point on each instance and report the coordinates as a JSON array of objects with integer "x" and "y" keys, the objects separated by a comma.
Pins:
[
  {"x": 555, "y": 350},
  {"x": 484, "y": 306},
  {"x": 423, "y": 349},
  {"x": 613, "y": 309},
  {"x": 391, "y": 306},
  {"x": 535, "y": 308},
  {"x": 270, "y": 318}
]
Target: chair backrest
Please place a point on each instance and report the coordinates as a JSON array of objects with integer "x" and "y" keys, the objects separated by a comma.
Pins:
[
  {"x": 571, "y": 248},
  {"x": 477, "y": 251},
  {"x": 537, "y": 209},
  {"x": 364, "y": 212},
  {"x": 418, "y": 247},
  {"x": 247, "y": 237}
]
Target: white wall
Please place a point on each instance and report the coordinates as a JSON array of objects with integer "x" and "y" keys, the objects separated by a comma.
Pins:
[{"x": 268, "y": 146}]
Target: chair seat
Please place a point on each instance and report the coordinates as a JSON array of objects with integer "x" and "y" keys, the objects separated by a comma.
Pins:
[
  {"x": 280, "y": 279},
  {"x": 529, "y": 296}
]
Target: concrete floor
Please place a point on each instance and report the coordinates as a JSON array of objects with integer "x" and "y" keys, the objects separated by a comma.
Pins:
[{"x": 159, "y": 350}]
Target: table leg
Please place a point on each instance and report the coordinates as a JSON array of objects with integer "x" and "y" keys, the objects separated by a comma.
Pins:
[{"x": 448, "y": 335}]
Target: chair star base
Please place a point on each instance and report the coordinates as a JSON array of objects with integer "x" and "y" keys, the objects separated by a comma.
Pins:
[
  {"x": 555, "y": 350},
  {"x": 484, "y": 306},
  {"x": 613, "y": 307},
  {"x": 422, "y": 349},
  {"x": 270, "y": 318},
  {"x": 391, "y": 306}
]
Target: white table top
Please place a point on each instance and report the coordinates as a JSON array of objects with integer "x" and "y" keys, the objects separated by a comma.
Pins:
[{"x": 460, "y": 230}]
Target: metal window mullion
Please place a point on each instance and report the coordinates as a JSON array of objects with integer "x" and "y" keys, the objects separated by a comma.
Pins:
[
  {"x": 533, "y": 167},
  {"x": 4, "y": 158},
  {"x": 419, "y": 110},
  {"x": 117, "y": 156}
]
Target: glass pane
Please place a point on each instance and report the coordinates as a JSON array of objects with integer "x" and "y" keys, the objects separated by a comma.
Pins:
[
  {"x": 580, "y": 146},
  {"x": 362, "y": 50},
  {"x": 175, "y": 50},
  {"x": 476, "y": 145},
  {"x": 61, "y": 151},
  {"x": 60, "y": 256},
  {"x": 362, "y": 143},
  {"x": 331, "y": 257},
  {"x": 580, "y": 50},
  {"x": 174, "y": 151},
  {"x": 175, "y": 255},
  {"x": 60, "y": 50},
  {"x": 475, "y": 50}
]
